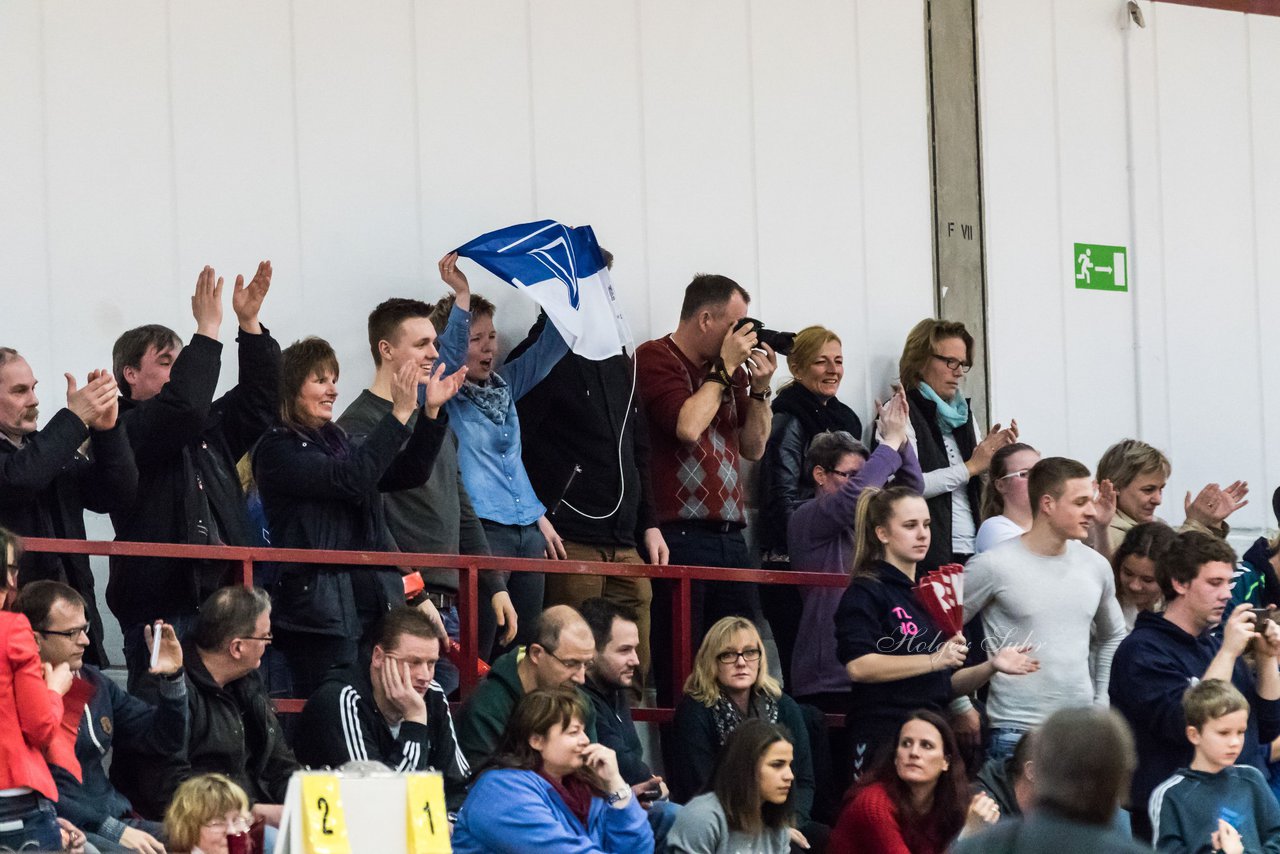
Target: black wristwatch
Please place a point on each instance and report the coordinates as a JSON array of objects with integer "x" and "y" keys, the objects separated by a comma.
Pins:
[{"x": 760, "y": 395}]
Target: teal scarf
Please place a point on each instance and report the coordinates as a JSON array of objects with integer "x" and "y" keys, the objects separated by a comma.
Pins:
[{"x": 951, "y": 416}]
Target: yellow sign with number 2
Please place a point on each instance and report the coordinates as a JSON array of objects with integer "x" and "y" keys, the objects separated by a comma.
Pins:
[
  {"x": 428, "y": 819},
  {"x": 324, "y": 824}
]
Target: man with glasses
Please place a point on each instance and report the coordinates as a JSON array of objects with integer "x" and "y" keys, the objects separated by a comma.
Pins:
[
  {"x": 563, "y": 651},
  {"x": 79, "y": 460},
  {"x": 112, "y": 718},
  {"x": 388, "y": 708},
  {"x": 233, "y": 728}
]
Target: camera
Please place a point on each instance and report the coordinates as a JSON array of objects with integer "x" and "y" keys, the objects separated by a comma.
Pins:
[{"x": 781, "y": 342}]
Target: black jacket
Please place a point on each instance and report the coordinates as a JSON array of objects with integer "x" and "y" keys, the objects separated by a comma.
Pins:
[
  {"x": 45, "y": 487},
  {"x": 785, "y": 481},
  {"x": 341, "y": 723},
  {"x": 617, "y": 731},
  {"x": 326, "y": 494},
  {"x": 187, "y": 445},
  {"x": 933, "y": 456},
  {"x": 233, "y": 731},
  {"x": 578, "y": 416}
]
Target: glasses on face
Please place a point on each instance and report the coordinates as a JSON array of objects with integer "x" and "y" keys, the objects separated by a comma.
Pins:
[
  {"x": 69, "y": 634},
  {"x": 841, "y": 474},
  {"x": 239, "y": 824},
  {"x": 571, "y": 664},
  {"x": 729, "y": 656},
  {"x": 1020, "y": 474},
  {"x": 267, "y": 638},
  {"x": 953, "y": 364}
]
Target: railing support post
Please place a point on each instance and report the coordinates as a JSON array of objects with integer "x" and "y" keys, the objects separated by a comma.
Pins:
[
  {"x": 682, "y": 620},
  {"x": 468, "y": 613}
]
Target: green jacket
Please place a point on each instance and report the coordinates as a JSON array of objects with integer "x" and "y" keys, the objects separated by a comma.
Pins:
[{"x": 485, "y": 715}]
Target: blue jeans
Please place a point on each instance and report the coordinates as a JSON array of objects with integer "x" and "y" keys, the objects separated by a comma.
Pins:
[
  {"x": 35, "y": 829},
  {"x": 524, "y": 588},
  {"x": 662, "y": 815},
  {"x": 1002, "y": 740},
  {"x": 446, "y": 672}
]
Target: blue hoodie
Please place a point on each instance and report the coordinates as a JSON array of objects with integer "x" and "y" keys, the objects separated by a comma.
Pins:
[
  {"x": 511, "y": 811},
  {"x": 1151, "y": 670},
  {"x": 1185, "y": 810}
]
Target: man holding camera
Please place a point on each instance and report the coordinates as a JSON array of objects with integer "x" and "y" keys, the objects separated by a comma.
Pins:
[{"x": 705, "y": 389}]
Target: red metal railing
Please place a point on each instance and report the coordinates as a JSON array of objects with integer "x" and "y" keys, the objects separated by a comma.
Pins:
[{"x": 468, "y": 567}]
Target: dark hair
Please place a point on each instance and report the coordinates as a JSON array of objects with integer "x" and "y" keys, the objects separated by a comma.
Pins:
[
  {"x": 130, "y": 347},
  {"x": 1083, "y": 760},
  {"x": 875, "y": 509},
  {"x": 1017, "y": 765},
  {"x": 9, "y": 540},
  {"x": 708, "y": 289},
  {"x": 992, "y": 500},
  {"x": 297, "y": 363},
  {"x": 551, "y": 624},
  {"x": 1150, "y": 540},
  {"x": 480, "y": 307},
  {"x": 229, "y": 613},
  {"x": 404, "y": 620},
  {"x": 735, "y": 779},
  {"x": 827, "y": 449},
  {"x": 1189, "y": 551},
  {"x": 950, "y": 794},
  {"x": 36, "y": 599},
  {"x": 536, "y": 713},
  {"x": 1049, "y": 477},
  {"x": 385, "y": 320},
  {"x": 600, "y": 614}
]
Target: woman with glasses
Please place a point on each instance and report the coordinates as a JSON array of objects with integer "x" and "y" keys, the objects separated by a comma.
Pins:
[
  {"x": 322, "y": 491},
  {"x": 30, "y": 722},
  {"x": 730, "y": 683},
  {"x": 936, "y": 356},
  {"x": 822, "y": 540},
  {"x": 549, "y": 789},
  {"x": 209, "y": 814},
  {"x": 1006, "y": 507}
]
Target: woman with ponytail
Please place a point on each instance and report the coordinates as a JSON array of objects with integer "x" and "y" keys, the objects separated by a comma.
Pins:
[
  {"x": 1006, "y": 508},
  {"x": 890, "y": 645}
]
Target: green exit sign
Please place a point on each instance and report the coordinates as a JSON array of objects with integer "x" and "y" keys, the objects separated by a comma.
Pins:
[{"x": 1101, "y": 268}]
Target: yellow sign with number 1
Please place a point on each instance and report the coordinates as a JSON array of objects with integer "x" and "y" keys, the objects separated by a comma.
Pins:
[
  {"x": 324, "y": 826},
  {"x": 428, "y": 819}
]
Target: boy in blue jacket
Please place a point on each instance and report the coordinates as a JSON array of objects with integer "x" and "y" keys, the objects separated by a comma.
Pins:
[{"x": 1215, "y": 805}]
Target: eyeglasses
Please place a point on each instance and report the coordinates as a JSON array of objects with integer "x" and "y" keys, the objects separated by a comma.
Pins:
[
  {"x": 267, "y": 638},
  {"x": 953, "y": 364},
  {"x": 572, "y": 664},
  {"x": 239, "y": 824},
  {"x": 838, "y": 473},
  {"x": 1021, "y": 474},
  {"x": 69, "y": 634},
  {"x": 729, "y": 656}
]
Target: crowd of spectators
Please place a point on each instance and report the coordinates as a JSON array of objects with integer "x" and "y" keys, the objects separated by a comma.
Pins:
[{"x": 1052, "y": 702}]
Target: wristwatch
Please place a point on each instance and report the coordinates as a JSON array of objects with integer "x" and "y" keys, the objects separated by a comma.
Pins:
[
  {"x": 619, "y": 796},
  {"x": 760, "y": 395}
]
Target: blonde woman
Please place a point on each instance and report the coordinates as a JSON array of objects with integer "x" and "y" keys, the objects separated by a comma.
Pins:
[
  {"x": 204, "y": 813},
  {"x": 730, "y": 683}
]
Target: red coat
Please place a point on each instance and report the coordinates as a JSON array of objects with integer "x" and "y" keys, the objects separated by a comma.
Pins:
[
  {"x": 30, "y": 713},
  {"x": 869, "y": 825}
]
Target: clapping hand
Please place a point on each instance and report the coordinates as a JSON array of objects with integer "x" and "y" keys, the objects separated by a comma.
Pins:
[
  {"x": 1214, "y": 504},
  {"x": 98, "y": 403},
  {"x": 441, "y": 388},
  {"x": 894, "y": 417},
  {"x": 206, "y": 303},
  {"x": 247, "y": 300},
  {"x": 1015, "y": 661},
  {"x": 1104, "y": 504}
]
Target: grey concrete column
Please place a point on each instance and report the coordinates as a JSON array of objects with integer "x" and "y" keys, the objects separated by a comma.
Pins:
[{"x": 960, "y": 279}]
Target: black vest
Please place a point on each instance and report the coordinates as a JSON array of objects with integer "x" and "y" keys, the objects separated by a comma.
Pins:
[{"x": 933, "y": 455}]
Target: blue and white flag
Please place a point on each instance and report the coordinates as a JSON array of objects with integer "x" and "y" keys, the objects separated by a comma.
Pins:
[{"x": 562, "y": 270}]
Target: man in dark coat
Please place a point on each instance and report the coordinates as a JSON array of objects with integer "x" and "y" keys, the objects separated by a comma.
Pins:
[
  {"x": 49, "y": 477},
  {"x": 187, "y": 445}
]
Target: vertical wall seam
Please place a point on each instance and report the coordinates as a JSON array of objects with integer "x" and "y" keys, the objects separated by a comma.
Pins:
[
  {"x": 859, "y": 117},
  {"x": 1154, "y": 24},
  {"x": 1057, "y": 177},
  {"x": 980, "y": 190},
  {"x": 533, "y": 135},
  {"x": 174, "y": 236},
  {"x": 1135, "y": 249},
  {"x": 43, "y": 83},
  {"x": 297, "y": 146},
  {"x": 417, "y": 141},
  {"x": 753, "y": 145},
  {"x": 1257, "y": 271},
  {"x": 644, "y": 167},
  {"x": 934, "y": 219}
]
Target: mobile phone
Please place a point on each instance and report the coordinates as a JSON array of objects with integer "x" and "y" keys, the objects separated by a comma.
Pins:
[
  {"x": 1261, "y": 616},
  {"x": 649, "y": 795},
  {"x": 155, "y": 643}
]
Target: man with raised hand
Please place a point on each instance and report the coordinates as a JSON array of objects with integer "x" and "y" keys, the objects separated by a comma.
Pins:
[
  {"x": 187, "y": 445},
  {"x": 50, "y": 476},
  {"x": 112, "y": 719}
]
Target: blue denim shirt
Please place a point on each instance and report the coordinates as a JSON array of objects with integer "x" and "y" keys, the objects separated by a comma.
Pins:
[{"x": 489, "y": 454}]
